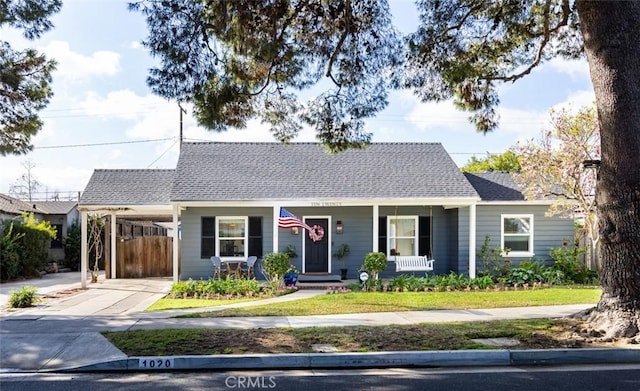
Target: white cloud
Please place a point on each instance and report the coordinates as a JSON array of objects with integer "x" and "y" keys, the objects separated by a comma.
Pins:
[
  {"x": 136, "y": 45},
  {"x": 577, "y": 99},
  {"x": 576, "y": 69},
  {"x": 73, "y": 65}
]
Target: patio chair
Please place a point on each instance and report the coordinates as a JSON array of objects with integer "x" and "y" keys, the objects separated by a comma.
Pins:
[
  {"x": 217, "y": 267},
  {"x": 251, "y": 261}
]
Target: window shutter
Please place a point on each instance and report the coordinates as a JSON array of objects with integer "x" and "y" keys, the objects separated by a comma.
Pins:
[
  {"x": 208, "y": 237},
  {"x": 382, "y": 234},
  {"x": 255, "y": 236},
  {"x": 424, "y": 236}
]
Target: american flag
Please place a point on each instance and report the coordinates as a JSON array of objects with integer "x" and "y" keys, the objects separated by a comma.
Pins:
[{"x": 289, "y": 220}]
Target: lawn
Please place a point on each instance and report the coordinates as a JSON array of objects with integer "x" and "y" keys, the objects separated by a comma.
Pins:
[
  {"x": 167, "y": 303},
  {"x": 531, "y": 334},
  {"x": 358, "y": 302}
]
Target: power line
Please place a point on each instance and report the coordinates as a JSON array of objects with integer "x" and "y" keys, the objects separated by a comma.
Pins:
[
  {"x": 163, "y": 153},
  {"x": 102, "y": 144}
]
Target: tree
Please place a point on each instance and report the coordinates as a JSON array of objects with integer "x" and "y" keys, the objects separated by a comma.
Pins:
[
  {"x": 239, "y": 59},
  {"x": 505, "y": 162},
  {"x": 25, "y": 75},
  {"x": 236, "y": 60},
  {"x": 27, "y": 185},
  {"x": 465, "y": 48},
  {"x": 552, "y": 167}
]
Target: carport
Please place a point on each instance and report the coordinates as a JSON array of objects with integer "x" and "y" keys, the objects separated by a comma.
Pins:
[{"x": 132, "y": 194}]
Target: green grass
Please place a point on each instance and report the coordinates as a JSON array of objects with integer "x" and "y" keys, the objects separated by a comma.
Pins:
[
  {"x": 166, "y": 303},
  {"x": 532, "y": 333},
  {"x": 358, "y": 302}
]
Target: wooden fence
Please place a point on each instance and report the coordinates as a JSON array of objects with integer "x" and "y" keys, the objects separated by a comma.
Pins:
[{"x": 144, "y": 257}]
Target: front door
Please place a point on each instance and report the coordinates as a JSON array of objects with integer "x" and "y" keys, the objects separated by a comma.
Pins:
[{"x": 316, "y": 253}]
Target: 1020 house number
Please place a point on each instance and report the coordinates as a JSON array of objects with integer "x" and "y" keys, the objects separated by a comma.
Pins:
[{"x": 155, "y": 363}]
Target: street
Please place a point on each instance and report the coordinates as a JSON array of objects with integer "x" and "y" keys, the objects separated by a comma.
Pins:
[{"x": 591, "y": 377}]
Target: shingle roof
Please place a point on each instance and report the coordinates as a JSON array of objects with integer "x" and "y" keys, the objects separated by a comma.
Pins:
[
  {"x": 263, "y": 171},
  {"x": 495, "y": 186},
  {"x": 55, "y": 207},
  {"x": 128, "y": 187},
  {"x": 15, "y": 206}
]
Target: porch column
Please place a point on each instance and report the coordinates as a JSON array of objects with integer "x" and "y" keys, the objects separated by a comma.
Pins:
[
  {"x": 113, "y": 246},
  {"x": 472, "y": 240},
  {"x": 83, "y": 249},
  {"x": 176, "y": 244},
  {"x": 276, "y": 217},
  {"x": 376, "y": 228}
]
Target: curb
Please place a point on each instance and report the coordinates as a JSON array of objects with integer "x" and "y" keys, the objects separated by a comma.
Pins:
[{"x": 451, "y": 358}]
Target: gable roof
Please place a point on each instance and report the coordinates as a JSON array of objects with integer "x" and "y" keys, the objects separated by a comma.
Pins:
[
  {"x": 128, "y": 187},
  {"x": 55, "y": 207},
  {"x": 495, "y": 186},
  {"x": 14, "y": 206},
  {"x": 218, "y": 171}
]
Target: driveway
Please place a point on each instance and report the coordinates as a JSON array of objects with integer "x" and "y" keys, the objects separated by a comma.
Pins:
[{"x": 104, "y": 298}]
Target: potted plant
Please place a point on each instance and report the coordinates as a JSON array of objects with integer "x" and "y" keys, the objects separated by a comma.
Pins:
[
  {"x": 291, "y": 276},
  {"x": 341, "y": 254}
]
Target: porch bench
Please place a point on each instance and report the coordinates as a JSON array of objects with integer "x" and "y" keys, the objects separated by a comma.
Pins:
[{"x": 413, "y": 263}]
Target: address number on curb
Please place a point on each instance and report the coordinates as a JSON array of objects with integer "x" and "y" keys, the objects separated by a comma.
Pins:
[{"x": 155, "y": 363}]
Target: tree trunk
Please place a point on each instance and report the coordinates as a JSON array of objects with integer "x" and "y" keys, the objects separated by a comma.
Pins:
[{"x": 611, "y": 31}]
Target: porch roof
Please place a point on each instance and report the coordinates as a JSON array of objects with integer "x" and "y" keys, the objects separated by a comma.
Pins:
[{"x": 220, "y": 171}]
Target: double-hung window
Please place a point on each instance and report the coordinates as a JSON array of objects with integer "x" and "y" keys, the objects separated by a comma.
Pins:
[
  {"x": 232, "y": 237},
  {"x": 402, "y": 236},
  {"x": 517, "y": 235}
]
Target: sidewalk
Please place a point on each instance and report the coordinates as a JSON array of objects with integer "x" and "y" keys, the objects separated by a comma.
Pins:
[{"x": 62, "y": 336}]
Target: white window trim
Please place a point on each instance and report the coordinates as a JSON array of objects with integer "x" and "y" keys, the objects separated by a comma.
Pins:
[
  {"x": 219, "y": 220},
  {"x": 529, "y": 253},
  {"x": 416, "y": 236}
]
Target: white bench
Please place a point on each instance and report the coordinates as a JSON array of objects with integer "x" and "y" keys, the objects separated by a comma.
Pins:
[{"x": 413, "y": 263}]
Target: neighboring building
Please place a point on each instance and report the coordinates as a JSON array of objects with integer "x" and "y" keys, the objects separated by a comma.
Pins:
[
  {"x": 403, "y": 199},
  {"x": 60, "y": 214}
]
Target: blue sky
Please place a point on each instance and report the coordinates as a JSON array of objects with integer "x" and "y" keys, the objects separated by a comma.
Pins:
[{"x": 101, "y": 97}]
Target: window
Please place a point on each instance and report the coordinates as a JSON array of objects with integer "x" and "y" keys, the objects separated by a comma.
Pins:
[
  {"x": 517, "y": 234},
  {"x": 232, "y": 236},
  {"x": 402, "y": 233},
  {"x": 57, "y": 241}
]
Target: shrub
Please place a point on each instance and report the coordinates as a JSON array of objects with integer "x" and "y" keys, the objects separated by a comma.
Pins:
[
  {"x": 493, "y": 262},
  {"x": 72, "y": 247},
  {"x": 9, "y": 257},
  {"x": 33, "y": 246},
  {"x": 276, "y": 264},
  {"x": 566, "y": 259},
  {"x": 228, "y": 286},
  {"x": 25, "y": 297},
  {"x": 374, "y": 263}
]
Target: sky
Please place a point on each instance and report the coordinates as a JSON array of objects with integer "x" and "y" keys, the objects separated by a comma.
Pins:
[{"x": 103, "y": 115}]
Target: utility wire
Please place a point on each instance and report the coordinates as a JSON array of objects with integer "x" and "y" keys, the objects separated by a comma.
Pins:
[
  {"x": 101, "y": 144},
  {"x": 163, "y": 153}
]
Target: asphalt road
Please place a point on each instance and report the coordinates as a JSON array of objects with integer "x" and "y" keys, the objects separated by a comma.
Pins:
[{"x": 602, "y": 377}]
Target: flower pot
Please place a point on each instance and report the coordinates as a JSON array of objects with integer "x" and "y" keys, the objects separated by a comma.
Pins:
[
  {"x": 290, "y": 279},
  {"x": 343, "y": 274}
]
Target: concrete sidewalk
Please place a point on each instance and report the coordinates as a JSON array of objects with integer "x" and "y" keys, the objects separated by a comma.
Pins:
[{"x": 64, "y": 334}]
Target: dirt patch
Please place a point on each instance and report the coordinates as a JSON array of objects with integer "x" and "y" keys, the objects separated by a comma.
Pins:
[
  {"x": 62, "y": 293},
  {"x": 531, "y": 334}
]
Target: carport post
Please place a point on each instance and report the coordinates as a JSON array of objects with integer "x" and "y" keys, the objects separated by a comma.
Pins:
[
  {"x": 83, "y": 249},
  {"x": 113, "y": 246},
  {"x": 472, "y": 241}
]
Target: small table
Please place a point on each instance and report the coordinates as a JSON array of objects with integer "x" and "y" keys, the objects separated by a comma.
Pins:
[{"x": 234, "y": 268}]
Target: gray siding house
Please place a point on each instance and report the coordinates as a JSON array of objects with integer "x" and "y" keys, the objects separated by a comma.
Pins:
[{"x": 403, "y": 199}]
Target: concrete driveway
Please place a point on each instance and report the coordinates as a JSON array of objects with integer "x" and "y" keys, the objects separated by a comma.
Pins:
[{"x": 104, "y": 298}]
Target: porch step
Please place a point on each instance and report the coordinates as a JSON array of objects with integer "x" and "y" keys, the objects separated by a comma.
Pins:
[{"x": 318, "y": 277}]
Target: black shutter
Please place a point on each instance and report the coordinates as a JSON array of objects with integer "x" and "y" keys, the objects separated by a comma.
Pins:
[
  {"x": 382, "y": 234},
  {"x": 424, "y": 236},
  {"x": 208, "y": 237},
  {"x": 255, "y": 236}
]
